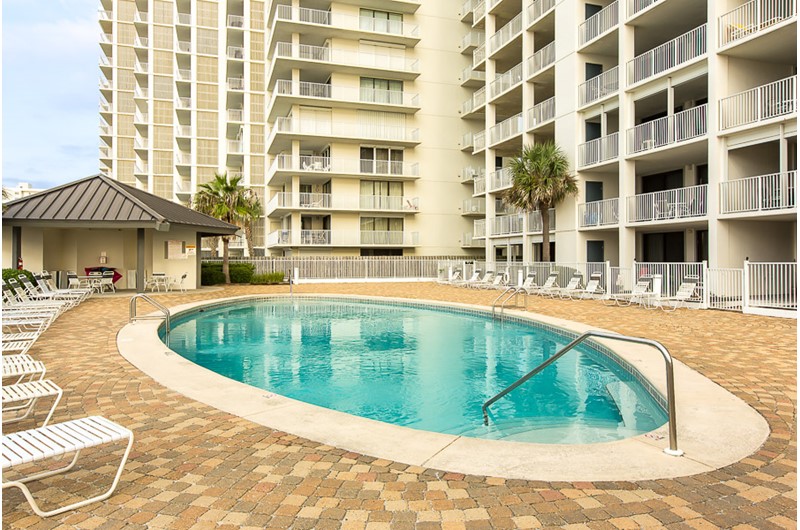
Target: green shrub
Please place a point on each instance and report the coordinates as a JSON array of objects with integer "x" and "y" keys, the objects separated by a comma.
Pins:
[
  {"x": 211, "y": 273},
  {"x": 271, "y": 278},
  {"x": 14, "y": 273},
  {"x": 241, "y": 272}
]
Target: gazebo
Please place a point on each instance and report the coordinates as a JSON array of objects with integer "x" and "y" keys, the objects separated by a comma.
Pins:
[{"x": 98, "y": 222}]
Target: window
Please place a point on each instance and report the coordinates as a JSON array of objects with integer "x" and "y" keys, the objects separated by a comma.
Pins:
[
  {"x": 382, "y": 90},
  {"x": 381, "y": 224},
  {"x": 381, "y": 160},
  {"x": 381, "y": 21}
]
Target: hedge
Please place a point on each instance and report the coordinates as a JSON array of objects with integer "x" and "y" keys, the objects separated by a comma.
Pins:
[
  {"x": 270, "y": 278},
  {"x": 211, "y": 273}
]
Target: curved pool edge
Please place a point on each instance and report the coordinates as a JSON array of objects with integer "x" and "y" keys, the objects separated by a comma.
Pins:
[{"x": 715, "y": 428}]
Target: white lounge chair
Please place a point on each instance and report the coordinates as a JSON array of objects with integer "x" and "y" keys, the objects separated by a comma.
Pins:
[
  {"x": 18, "y": 401},
  {"x": 476, "y": 275},
  {"x": 529, "y": 282},
  {"x": 56, "y": 441},
  {"x": 637, "y": 294},
  {"x": 550, "y": 283},
  {"x": 486, "y": 280},
  {"x": 499, "y": 282},
  {"x": 686, "y": 291},
  {"x": 574, "y": 286},
  {"x": 592, "y": 289}
]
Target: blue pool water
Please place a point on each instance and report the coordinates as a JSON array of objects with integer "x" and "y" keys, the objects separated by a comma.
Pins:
[{"x": 419, "y": 367}]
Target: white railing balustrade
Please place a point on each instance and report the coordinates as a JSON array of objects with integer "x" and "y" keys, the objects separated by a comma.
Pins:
[
  {"x": 500, "y": 179},
  {"x": 340, "y": 20},
  {"x": 105, "y": 130},
  {"x": 235, "y": 21},
  {"x": 506, "y": 129},
  {"x": 478, "y": 55},
  {"x": 535, "y": 222},
  {"x": 468, "y": 241},
  {"x": 472, "y": 39},
  {"x": 635, "y": 6},
  {"x": 479, "y": 185},
  {"x": 140, "y": 67},
  {"x": 235, "y": 52},
  {"x": 183, "y": 103},
  {"x": 725, "y": 289},
  {"x": 350, "y": 130},
  {"x": 345, "y": 165},
  {"x": 467, "y": 7},
  {"x": 184, "y": 46},
  {"x": 235, "y": 115},
  {"x": 184, "y": 19},
  {"x": 287, "y": 87},
  {"x": 106, "y": 38},
  {"x": 770, "y": 286},
  {"x": 506, "y": 225},
  {"x": 504, "y": 82},
  {"x": 753, "y": 17},
  {"x": 104, "y": 14},
  {"x": 140, "y": 117},
  {"x": 678, "y": 127},
  {"x": 542, "y": 113},
  {"x": 105, "y": 84},
  {"x": 672, "y": 275},
  {"x": 184, "y": 74},
  {"x": 469, "y": 174},
  {"x": 777, "y": 191},
  {"x": 140, "y": 169},
  {"x": 541, "y": 59},
  {"x": 315, "y": 200},
  {"x": 598, "y": 213},
  {"x": 104, "y": 61},
  {"x": 473, "y": 206},
  {"x": 599, "y": 86},
  {"x": 677, "y": 203},
  {"x": 758, "y": 104},
  {"x": 389, "y": 237},
  {"x": 479, "y": 140},
  {"x": 183, "y": 159},
  {"x": 506, "y": 34},
  {"x": 279, "y": 237},
  {"x": 479, "y": 11},
  {"x": 470, "y": 74},
  {"x": 105, "y": 152},
  {"x": 280, "y": 200},
  {"x": 676, "y": 52},
  {"x": 599, "y": 23},
  {"x": 235, "y": 83},
  {"x": 345, "y": 57},
  {"x": 467, "y": 106},
  {"x": 598, "y": 150},
  {"x": 538, "y": 9},
  {"x": 388, "y": 202},
  {"x": 479, "y": 228},
  {"x": 235, "y": 146},
  {"x": 467, "y": 140},
  {"x": 315, "y": 237},
  {"x": 105, "y": 106},
  {"x": 140, "y": 42},
  {"x": 141, "y": 16}
]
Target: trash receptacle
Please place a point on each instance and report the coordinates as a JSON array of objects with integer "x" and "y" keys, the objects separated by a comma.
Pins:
[{"x": 60, "y": 277}]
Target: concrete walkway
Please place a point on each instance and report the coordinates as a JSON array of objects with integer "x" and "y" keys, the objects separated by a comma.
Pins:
[{"x": 195, "y": 467}]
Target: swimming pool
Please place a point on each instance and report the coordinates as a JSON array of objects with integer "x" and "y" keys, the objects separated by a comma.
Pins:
[{"x": 419, "y": 367}]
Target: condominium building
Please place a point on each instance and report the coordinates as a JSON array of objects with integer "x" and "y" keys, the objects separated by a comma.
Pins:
[{"x": 385, "y": 127}]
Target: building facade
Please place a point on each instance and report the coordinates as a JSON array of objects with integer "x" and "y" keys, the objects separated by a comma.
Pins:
[{"x": 384, "y": 127}]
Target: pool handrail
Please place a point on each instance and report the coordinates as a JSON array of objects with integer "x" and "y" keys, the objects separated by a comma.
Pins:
[
  {"x": 673, "y": 434},
  {"x": 132, "y": 313},
  {"x": 512, "y": 292}
]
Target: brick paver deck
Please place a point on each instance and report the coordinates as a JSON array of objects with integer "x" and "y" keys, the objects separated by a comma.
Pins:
[{"x": 196, "y": 467}]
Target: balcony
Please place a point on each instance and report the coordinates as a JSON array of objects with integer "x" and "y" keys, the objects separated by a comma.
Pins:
[
  {"x": 505, "y": 225},
  {"x": 473, "y": 207},
  {"x": 389, "y": 238},
  {"x": 672, "y": 54},
  {"x": 140, "y": 67},
  {"x": 340, "y": 238},
  {"x": 679, "y": 127},
  {"x": 775, "y": 193},
  {"x": 105, "y": 107},
  {"x": 104, "y": 14},
  {"x": 352, "y": 97},
  {"x": 466, "y": 10},
  {"x": 505, "y": 82},
  {"x": 388, "y": 203},
  {"x": 105, "y": 84},
  {"x": 183, "y": 159},
  {"x": 322, "y": 54},
  {"x": 506, "y": 130},
  {"x": 472, "y": 77},
  {"x": 636, "y": 6},
  {"x": 183, "y": 74},
  {"x": 105, "y": 61},
  {"x": 754, "y": 17},
  {"x": 599, "y": 87},
  {"x": 140, "y": 169},
  {"x": 538, "y": 9},
  {"x": 506, "y": 34},
  {"x": 236, "y": 83},
  {"x": 140, "y": 42},
  {"x": 235, "y": 147},
  {"x": 183, "y": 103},
  {"x": 105, "y": 152},
  {"x": 331, "y": 129},
  {"x": 600, "y": 23},
  {"x": 235, "y": 115},
  {"x": 598, "y": 213},
  {"x": 759, "y": 104},
  {"x": 141, "y": 117},
  {"x": 141, "y": 17},
  {"x": 183, "y": 188},
  {"x": 469, "y": 174},
  {"x": 184, "y": 19},
  {"x": 669, "y": 205},
  {"x": 478, "y": 13},
  {"x": 479, "y": 56},
  {"x": 345, "y": 166},
  {"x": 479, "y": 140},
  {"x": 236, "y": 53},
  {"x": 467, "y": 241},
  {"x": 479, "y": 186},
  {"x": 184, "y": 46},
  {"x": 235, "y": 21},
  {"x": 141, "y": 92},
  {"x": 540, "y": 60},
  {"x": 598, "y": 150},
  {"x": 339, "y": 21},
  {"x": 542, "y": 113},
  {"x": 183, "y": 130},
  {"x": 105, "y": 130},
  {"x": 472, "y": 40},
  {"x": 535, "y": 221},
  {"x": 479, "y": 229},
  {"x": 502, "y": 179},
  {"x": 468, "y": 141}
]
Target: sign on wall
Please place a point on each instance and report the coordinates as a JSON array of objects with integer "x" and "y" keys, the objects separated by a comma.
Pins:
[{"x": 175, "y": 249}]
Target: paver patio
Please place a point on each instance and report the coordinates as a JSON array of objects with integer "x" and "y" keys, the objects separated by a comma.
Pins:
[{"x": 195, "y": 467}]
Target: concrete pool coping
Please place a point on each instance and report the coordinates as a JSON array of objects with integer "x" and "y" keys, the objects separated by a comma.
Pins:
[{"x": 715, "y": 428}]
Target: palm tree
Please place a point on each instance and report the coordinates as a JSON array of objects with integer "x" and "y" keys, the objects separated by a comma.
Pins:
[
  {"x": 254, "y": 211},
  {"x": 226, "y": 200},
  {"x": 541, "y": 180}
]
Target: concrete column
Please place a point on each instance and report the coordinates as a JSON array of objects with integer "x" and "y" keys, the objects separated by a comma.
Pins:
[
  {"x": 489, "y": 154},
  {"x": 16, "y": 245},
  {"x": 627, "y": 168}
]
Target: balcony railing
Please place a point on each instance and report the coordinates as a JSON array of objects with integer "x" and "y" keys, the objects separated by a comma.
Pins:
[
  {"x": 183, "y": 130},
  {"x": 339, "y": 20},
  {"x": 140, "y": 117},
  {"x": 140, "y": 169},
  {"x": 467, "y": 241},
  {"x": 678, "y": 203},
  {"x": 468, "y": 140},
  {"x": 634, "y": 6},
  {"x": 141, "y": 16},
  {"x": 542, "y": 113},
  {"x": 500, "y": 179},
  {"x": 105, "y": 130},
  {"x": 506, "y": 224},
  {"x": 600, "y": 86},
  {"x": 140, "y": 67},
  {"x": 535, "y": 221},
  {"x": 235, "y": 83},
  {"x": 759, "y": 104},
  {"x": 676, "y": 52},
  {"x": 235, "y": 21},
  {"x": 474, "y": 206},
  {"x": 353, "y": 94},
  {"x": 235, "y": 115},
  {"x": 753, "y": 17},
  {"x": 538, "y": 9},
  {"x": 105, "y": 61},
  {"x": 104, "y": 14},
  {"x": 598, "y": 213},
  {"x": 105, "y": 106},
  {"x": 777, "y": 191},
  {"x": 506, "y": 34},
  {"x": 470, "y": 74},
  {"x": 468, "y": 174},
  {"x": 479, "y": 185},
  {"x": 479, "y": 11},
  {"x": 183, "y": 159},
  {"x": 479, "y": 139},
  {"x": 184, "y": 46},
  {"x": 599, "y": 23},
  {"x": 478, "y": 55},
  {"x": 679, "y": 127},
  {"x": 335, "y": 56},
  {"x": 506, "y": 129},
  {"x": 105, "y": 38},
  {"x": 105, "y": 152},
  {"x": 472, "y": 39},
  {"x": 235, "y": 52},
  {"x": 183, "y": 103},
  {"x": 140, "y": 42},
  {"x": 184, "y": 19},
  {"x": 541, "y": 59},
  {"x": 598, "y": 150},
  {"x": 350, "y": 130},
  {"x": 505, "y": 82},
  {"x": 478, "y": 228},
  {"x": 140, "y": 92},
  {"x": 346, "y": 166},
  {"x": 184, "y": 74},
  {"x": 388, "y": 203},
  {"x": 235, "y": 146},
  {"x": 105, "y": 84},
  {"x": 389, "y": 237}
]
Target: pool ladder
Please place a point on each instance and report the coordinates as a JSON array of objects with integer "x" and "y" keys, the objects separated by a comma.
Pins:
[
  {"x": 509, "y": 293},
  {"x": 132, "y": 317},
  {"x": 673, "y": 434}
]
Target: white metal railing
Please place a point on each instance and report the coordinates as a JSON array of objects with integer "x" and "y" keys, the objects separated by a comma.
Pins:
[
  {"x": 279, "y": 237},
  {"x": 184, "y": 19},
  {"x": 183, "y": 130},
  {"x": 478, "y": 228},
  {"x": 500, "y": 179},
  {"x": 599, "y": 86},
  {"x": 315, "y": 237},
  {"x": 598, "y": 213},
  {"x": 478, "y": 55},
  {"x": 140, "y": 92},
  {"x": 468, "y": 241},
  {"x": 105, "y": 106},
  {"x": 770, "y": 286},
  {"x": 753, "y": 17},
  {"x": 105, "y": 14},
  {"x": 506, "y": 224},
  {"x": 467, "y": 7},
  {"x": 140, "y": 42},
  {"x": 542, "y": 113},
  {"x": 235, "y": 146},
  {"x": 506, "y": 81},
  {"x": 315, "y": 200},
  {"x": 541, "y": 59},
  {"x": 140, "y": 143},
  {"x": 388, "y": 202},
  {"x": 105, "y": 38},
  {"x": 472, "y": 39},
  {"x": 105, "y": 152},
  {"x": 678, "y": 127},
  {"x": 725, "y": 288},
  {"x": 635, "y": 6},
  {"x": 350, "y": 130},
  {"x": 479, "y": 11},
  {"x": 506, "y": 129},
  {"x": 340, "y": 20},
  {"x": 141, "y": 67},
  {"x": 677, "y": 203},
  {"x": 105, "y": 130},
  {"x": 758, "y": 104},
  {"x": 235, "y": 83},
  {"x": 777, "y": 191},
  {"x": 345, "y": 165},
  {"x": 235, "y": 21},
  {"x": 140, "y": 169},
  {"x": 345, "y": 57},
  {"x": 389, "y": 237},
  {"x": 105, "y": 84},
  {"x": 468, "y": 140},
  {"x": 599, "y": 23},
  {"x": 183, "y": 186},
  {"x": 140, "y": 117},
  {"x": 538, "y": 9},
  {"x": 471, "y": 173},
  {"x": 535, "y": 222},
  {"x": 141, "y": 16},
  {"x": 479, "y": 98},
  {"x": 467, "y": 106},
  {"x": 598, "y": 150},
  {"x": 470, "y": 74},
  {"x": 676, "y": 52},
  {"x": 183, "y": 159},
  {"x": 235, "y": 52},
  {"x": 104, "y": 61},
  {"x": 479, "y": 185},
  {"x": 506, "y": 34},
  {"x": 184, "y": 46},
  {"x": 354, "y": 94},
  {"x": 235, "y": 115},
  {"x": 183, "y": 103},
  {"x": 474, "y": 206},
  {"x": 184, "y": 74},
  {"x": 672, "y": 275},
  {"x": 479, "y": 140}
]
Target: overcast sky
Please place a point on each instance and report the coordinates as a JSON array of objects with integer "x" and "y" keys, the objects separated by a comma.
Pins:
[{"x": 50, "y": 91}]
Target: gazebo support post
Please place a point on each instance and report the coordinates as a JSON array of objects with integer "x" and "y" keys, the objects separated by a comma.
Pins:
[
  {"x": 140, "y": 260},
  {"x": 16, "y": 245}
]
